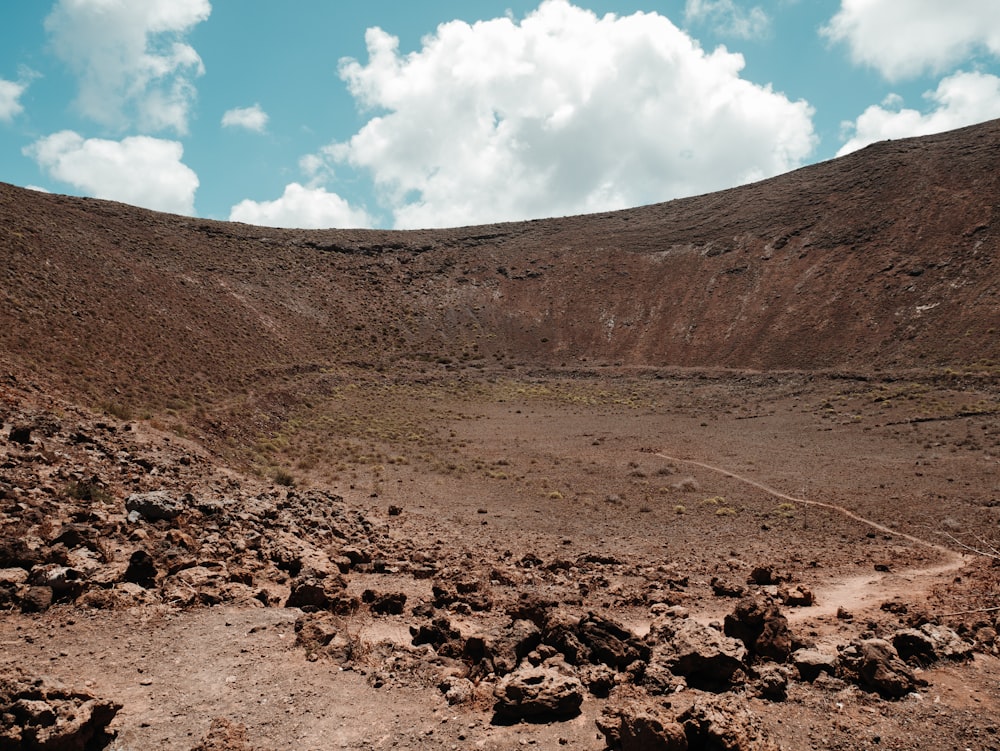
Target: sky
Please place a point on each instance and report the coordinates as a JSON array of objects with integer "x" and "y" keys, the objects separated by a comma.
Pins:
[{"x": 398, "y": 114}]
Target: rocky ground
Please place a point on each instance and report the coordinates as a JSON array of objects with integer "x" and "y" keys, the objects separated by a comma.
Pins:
[{"x": 557, "y": 584}]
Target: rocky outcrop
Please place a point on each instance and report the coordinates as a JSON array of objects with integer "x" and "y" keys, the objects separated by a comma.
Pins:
[
  {"x": 930, "y": 643},
  {"x": 761, "y": 627},
  {"x": 706, "y": 658},
  {"x": 42, "y": 715},
  {"x": 537, "y": 694},
  {"x": 874, "y": 665}
]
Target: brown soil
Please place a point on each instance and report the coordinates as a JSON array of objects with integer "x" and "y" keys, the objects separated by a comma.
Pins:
[{"x": 603, "y": 412}]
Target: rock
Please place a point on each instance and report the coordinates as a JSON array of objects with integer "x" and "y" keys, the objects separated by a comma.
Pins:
[
  {"x": 986, "y": 636},
  {"x": 356, "y": 555},
  {"x": 707, "y": 659},
  {"x": 154, "y": 505},
  {"x": 532, "y": 607},
  {"x": 611, "y": 643},
  {"x": 12, "y": 576},
  {"x": 722, "y": 723},
  {"x": 440, "y": 635},
  {"x": 320, "y": 634},
  {"x": 197, "y": 585},
  {"x": 315, "y": 592},
  {"x": 762, "y": 629},
  {"x": 384, "y": 604},
  {"x": 65, "y": 582},
  {"x": 798, "y": 596},
  {"x": 874, "y": 666},
  {"x": 508, "y": 647},
  {"x": 723, "y": 588},
  {"x": 810, "y": 663},
  {"x": 224, "y": 735},
  {"x": 20, "y": 434},
  {"x": 15, "y": 552},
  {"x": 540, "y": 694},
  {"x": 36, "y": 599},
  {"x": 930, "y": 643},
  {"x": 457, "y": 690},
  {"x": 762, "y": 576},
  {"x": 641, "y": 727},
  {"x": 141, "y": 570},
  {"x": 41, "y": 715},
  {"x": 772, "y": 682}
]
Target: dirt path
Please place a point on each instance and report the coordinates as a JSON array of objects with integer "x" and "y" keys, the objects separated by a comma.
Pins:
[{"x": 862, "y": 591}]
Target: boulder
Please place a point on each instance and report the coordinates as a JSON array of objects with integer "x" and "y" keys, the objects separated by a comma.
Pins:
[
  {"x": 761, "y": 627},
  {"x": 724, "y": 588},
  {"x": 65, "y": 582},
  {"x": 39, "y": 714},
  {"x": 141, "y": 570},
  {"x": 930, "y": 643},
  {"x": 810, "y": 663},
  {"x": 610, "y": 643},
  {"x": 641, "y": 726},
  {"x": 707, "y": 659},
  {"x": 537, "y": 694},
  {"x": 154, "y": 505},
  {"x": 384, "y": 603},
  {"x": 723, "y": 723},
  {"x": 508, "y": 647},
  {"x": 874, "y": 666},
  {"x": 772, "y": 682},
  {"x": 315, "y": 592}
]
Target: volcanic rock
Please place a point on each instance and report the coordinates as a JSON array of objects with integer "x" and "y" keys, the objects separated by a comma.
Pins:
[
  {"x": 874, "y": 665},
  {"x": 40, "y": 715},
  {"x": 154, "y": 506},
  {"x": 930, "y": 643},
  {"x": 537, "y": 694}
]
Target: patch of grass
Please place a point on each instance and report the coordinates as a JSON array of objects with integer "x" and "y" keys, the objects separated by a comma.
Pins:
[
  {"x": 88, "y": 490},
  {"x": 120, "y": 410},
  {"x": 283, "y": 477}
]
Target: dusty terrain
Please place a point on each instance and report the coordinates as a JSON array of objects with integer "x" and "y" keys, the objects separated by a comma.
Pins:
[{"x": 718, "y": 473}]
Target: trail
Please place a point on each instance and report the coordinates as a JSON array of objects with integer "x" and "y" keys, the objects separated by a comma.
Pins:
[{"x": 852, "y": 592}]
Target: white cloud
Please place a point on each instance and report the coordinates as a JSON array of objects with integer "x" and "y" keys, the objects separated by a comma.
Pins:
[
  {"x": 902, "y": 40},
  {"x": 130, "y": 58},
  {"x": 728, "y": 18},
  {"x": 303, "y": 208},
  {"x": 251, "y": 118},
  {"x": 139, "y": 170},
  {"x": 561, "y": 113},
  {"x": 959, "y": 100},
  {"x": 10, "y": 93}
]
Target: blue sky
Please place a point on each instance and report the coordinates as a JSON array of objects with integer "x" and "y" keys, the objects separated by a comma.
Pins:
[{"x": 395, "y": 114}]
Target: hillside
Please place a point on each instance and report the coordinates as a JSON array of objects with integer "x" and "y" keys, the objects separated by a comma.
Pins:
[{"x": 886, "y": 258}]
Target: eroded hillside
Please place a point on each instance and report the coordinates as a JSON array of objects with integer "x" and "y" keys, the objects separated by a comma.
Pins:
[{"x": 885, "y": 258}]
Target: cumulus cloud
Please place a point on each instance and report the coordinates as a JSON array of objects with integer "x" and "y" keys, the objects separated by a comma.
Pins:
[
  {"x": 10, "y": 94},
  {"x": 959, "y": 100},
  {"x": 130, "y": 58},
  {"x": 252, "y": 118},
  {"x": 902, "y": 40},
  {"x": 303, "y": 208},
  {"x": 139, "y": 170},
  {"x": 728, "y": 18},
  {"x": 561, "y": 113}
]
